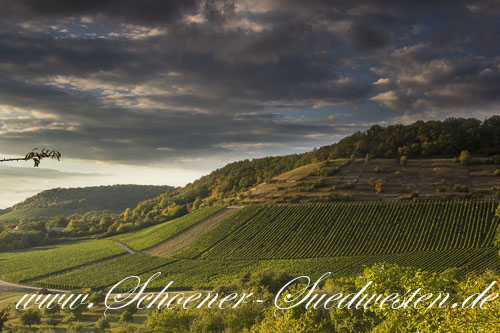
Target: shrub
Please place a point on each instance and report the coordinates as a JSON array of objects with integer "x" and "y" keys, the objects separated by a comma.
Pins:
[
  {"x": 403, "y": 161},
  {"x": 327, "y": 172},
  {"x": 368, "y": 157},
  {"x": 30, "y": 317},
  {"x": 440, "y": 189},
  {"x": 102, "y": 324},
  {"x": 397, "y": 173},
  {"x": 378, "y": 187},
  {"x": 497, "y": 194},
  {"x": 377, "y": 170},
  {"x": 465, "y": 157},
  {"x": 496, "y": 173},
  {"x": 461, "y": 188}
]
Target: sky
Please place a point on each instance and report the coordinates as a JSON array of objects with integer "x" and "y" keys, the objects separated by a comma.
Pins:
[{"x": 163, "y": 92}]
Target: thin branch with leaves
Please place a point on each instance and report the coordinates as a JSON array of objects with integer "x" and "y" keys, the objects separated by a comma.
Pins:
[{"x": 37, "y": 155}]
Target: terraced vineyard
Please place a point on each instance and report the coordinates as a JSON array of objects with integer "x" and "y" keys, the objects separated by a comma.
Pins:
[
  {"x": 348, "y": 229},
  {"x": 19, "y": 266},
  {"x": 151, "y": 236}
]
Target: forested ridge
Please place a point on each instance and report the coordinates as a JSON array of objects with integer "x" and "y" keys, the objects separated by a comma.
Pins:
[
  {"x": 422, "y": 139},
  {"x": 113, "y": 198}
]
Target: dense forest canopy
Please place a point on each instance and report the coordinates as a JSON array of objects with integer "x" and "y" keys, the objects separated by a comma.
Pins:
[
  {"x": 421, "y": 139},
  {"x": 113, "y": 198}
]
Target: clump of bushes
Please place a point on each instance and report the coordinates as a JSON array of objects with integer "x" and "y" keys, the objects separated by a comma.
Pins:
[
  {"x": 460, "y": 188},
  {"x": 496, "y": 173},
  {"x": 465, "y": 157},
  {"x": 403, "y": 161},
  {"x": 327, "y": 172}
]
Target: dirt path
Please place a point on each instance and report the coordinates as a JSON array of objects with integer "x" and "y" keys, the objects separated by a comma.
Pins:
[
  {"x": 186, "y": 237},
  {"x": 125, "y": 247},
  {"x": 7, "y": 287}
]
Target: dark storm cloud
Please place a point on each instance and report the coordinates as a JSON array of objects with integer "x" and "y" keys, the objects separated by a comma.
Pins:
[
  {"x": 144, "y": 12},
  {"x": 93, "y": 131},
  {"x": 137, "y": 81}
]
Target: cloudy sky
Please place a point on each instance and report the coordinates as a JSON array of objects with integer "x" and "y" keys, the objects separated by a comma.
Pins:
[{"x": 161, "y": 92}]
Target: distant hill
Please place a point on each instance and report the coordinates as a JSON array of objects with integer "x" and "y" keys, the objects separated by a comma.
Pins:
[{"x": 68, "y": 201}]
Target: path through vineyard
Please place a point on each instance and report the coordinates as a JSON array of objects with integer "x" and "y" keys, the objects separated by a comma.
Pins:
[
  {"x": 7, "y": 287},
  {"x": 188, "y": 236}
]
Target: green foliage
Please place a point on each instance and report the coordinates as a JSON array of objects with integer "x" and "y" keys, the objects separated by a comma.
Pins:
[
  {"x": 113, "y": 198},
  {"x": 4, "y": 316},
  {"x": 391, "y": 278},
  {"x": 30, "y": 317},
  {"x": 126, "y": 317},
  {"x": 385, "y": 278},
  {"x": 496, "y": 173},
  {"x": 465, "y": 157},
  {"x": 403, "y": 161},
  {"x": 460, "y": 188},
  {"x": 102, "y": 324}
]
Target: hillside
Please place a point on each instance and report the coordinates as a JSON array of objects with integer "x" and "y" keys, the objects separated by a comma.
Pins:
[
  {"x": 430, "y": 147},
  {"x": 299, "y": 239},
  {"x": 380, "y": 179},
  {"x": 68, "y": 201}
]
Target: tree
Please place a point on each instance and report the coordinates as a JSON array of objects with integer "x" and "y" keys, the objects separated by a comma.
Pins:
[
  {"x": 30, "y": 317},
  {"x": 51, "y": 312},
  {"x": 465, "y": 157},
  {"x": 403, "y": 161},
  {"x": 4, "y": 316},
  {"x": 126, "y": 317},
  {"x": 102, "y": 324},
  {"x": 36, "y": 156}
]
